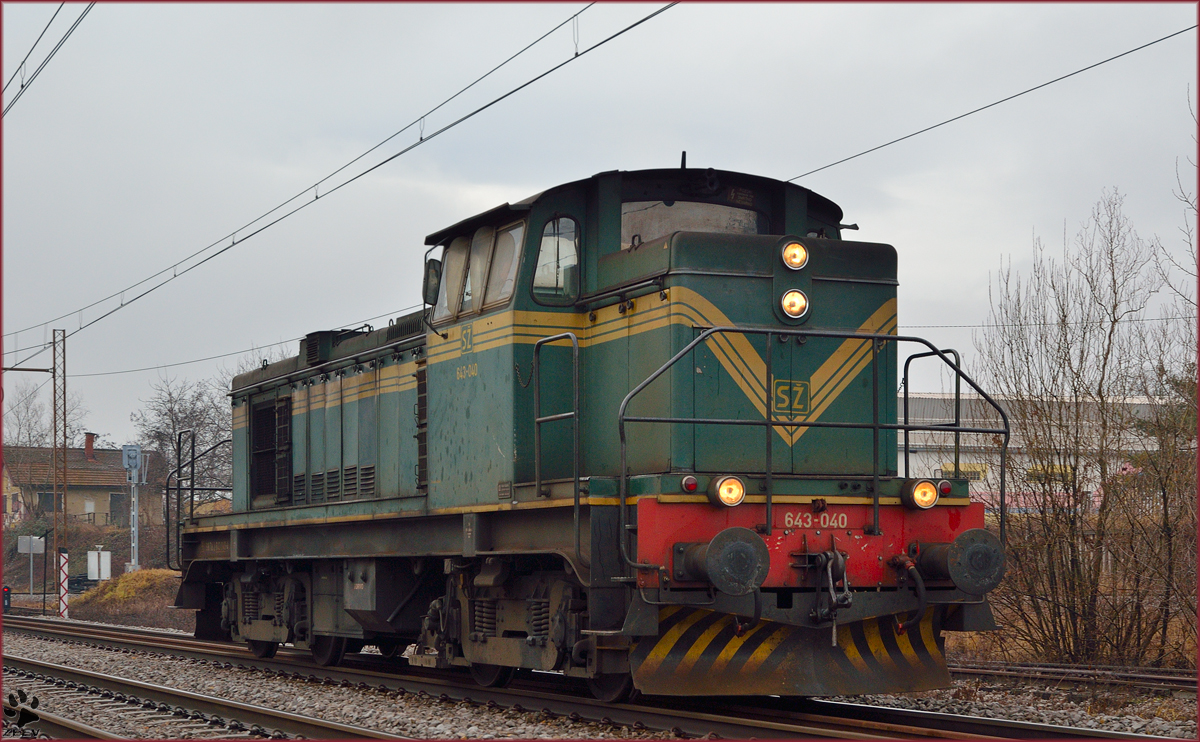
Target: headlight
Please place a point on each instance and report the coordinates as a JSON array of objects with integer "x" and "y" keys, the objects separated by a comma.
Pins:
[
  {"x": 795, "y": 255},
  {"x": 921, "y": 494},
  {"x": 727, "y": 491},
  {"x": 794, "y": 303}
]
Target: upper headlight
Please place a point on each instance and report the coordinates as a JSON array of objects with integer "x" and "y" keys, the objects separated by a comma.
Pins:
[
  {"x": 727, "y": 491},
  {"x": 921, "y": 494},
  {"x": 795, "y": 255},
  {"x": 794, "y": 303}
]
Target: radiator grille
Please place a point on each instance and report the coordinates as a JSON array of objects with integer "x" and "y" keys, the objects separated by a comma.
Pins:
[
  {"x": 366, "y": 481},
  {"x": 333, "y": 484}
]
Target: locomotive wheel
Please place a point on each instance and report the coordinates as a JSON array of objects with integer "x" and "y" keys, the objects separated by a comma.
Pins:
[
  {"x": 613, "y": 688},
  {"x": 262, "y": 649},
  {"x": 328, "y": 650},
  {"x": 389, "y": 650},
  {"x": 492, "y": 676}
]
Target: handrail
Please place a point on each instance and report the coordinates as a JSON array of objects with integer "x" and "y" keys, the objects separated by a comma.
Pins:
[
  {"x": 958, "y": 429},
  {"x": 573, "y": 415},
  {"x": 876, "y": 339},
  {"x": 179, "y": 465},
  {"x": 957, "y": 402}
]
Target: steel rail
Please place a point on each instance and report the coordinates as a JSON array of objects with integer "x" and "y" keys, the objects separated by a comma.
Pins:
[
  {"x": 1136, "y": 677},
  {"x": 734, "y": 718},
  {"x": 57, "y": 727},
  {"x": 285, "y": 721}
]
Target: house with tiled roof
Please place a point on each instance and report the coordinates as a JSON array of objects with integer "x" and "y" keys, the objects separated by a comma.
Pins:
[{"x": 98, "y": 490}]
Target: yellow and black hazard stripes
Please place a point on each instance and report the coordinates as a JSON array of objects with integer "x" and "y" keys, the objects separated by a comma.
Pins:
[{"x": 699, "y": 652}]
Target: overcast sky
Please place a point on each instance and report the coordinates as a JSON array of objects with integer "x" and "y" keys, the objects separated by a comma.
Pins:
[{"x": 159, "y": 129}]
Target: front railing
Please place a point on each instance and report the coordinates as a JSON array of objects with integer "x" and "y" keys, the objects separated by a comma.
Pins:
[
  {"x": 175, "y": 556},
  {"x": 770, "y": 423}
]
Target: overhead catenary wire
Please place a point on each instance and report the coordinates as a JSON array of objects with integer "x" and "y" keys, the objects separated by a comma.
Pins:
[
  {"x": 21, "y": 66},
  {"x": 369, "y": 170},
  {"x": 29, "y": 83},
  {"x": 234, "y": 353},
  {"x": 990, "y": 105},
  {"x": 313, "y": 189}
]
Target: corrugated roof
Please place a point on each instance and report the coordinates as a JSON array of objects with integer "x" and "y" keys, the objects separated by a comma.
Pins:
[{"x": 31, "y": 466}]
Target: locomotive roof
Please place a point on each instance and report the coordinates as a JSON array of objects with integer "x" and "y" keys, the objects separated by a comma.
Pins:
[{"x": 513, "y": 209}]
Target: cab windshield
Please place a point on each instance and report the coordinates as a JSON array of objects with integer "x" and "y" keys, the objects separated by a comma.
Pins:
[{"x": 643, "y": 221}]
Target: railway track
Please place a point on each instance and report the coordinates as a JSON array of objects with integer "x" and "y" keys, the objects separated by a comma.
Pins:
[
  {"x": 1163, "y": 679},
  {"x": 737, "y": 718},
  {"x": 167, "y": 711}
]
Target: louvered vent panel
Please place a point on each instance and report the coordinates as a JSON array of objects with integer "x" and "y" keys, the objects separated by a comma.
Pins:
[
  {"x": 298, "y": 488},
  {"x": 312, "y": 350},
  {"x": 350, "y": 483},
  {"x": 333, "y": 484},
  {"x": 406, "y": 326},
  {"x": 318, "y": 487},
  {"x": 366, "y": 481}
]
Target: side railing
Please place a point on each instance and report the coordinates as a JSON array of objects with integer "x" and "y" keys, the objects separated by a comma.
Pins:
[
  {"x": 175, "y": 556},
  {"x": 770, "y": 423},
  {"x": 573, "y": 416}
]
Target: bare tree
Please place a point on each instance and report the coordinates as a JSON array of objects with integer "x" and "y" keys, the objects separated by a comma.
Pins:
[
  {"x": 1067, "y": 349},
  {"x": 178, "y": 405}
]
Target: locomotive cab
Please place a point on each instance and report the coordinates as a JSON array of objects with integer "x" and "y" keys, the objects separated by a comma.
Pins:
[{"x": 645, "y": 433}]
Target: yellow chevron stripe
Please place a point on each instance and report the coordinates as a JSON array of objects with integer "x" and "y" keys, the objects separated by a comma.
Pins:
[
  {"x": 910, "y": 653},
  {"x": 928, "y": 638},
  {"x": 668, "y": 641},
  {"x": 733, "y": 646},
  {"x": 693, "y": 655},
  {"x": 764, "y": 650},
  {"x": 845, "y": 640},
  {"x": 875, "y": 644}
]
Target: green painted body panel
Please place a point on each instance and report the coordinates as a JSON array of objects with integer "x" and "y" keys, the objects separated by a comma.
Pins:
[
  {"x": 241, "y": 469},
  {"x": 480, "y": 398},
  {"x": 470, "y": 427}
]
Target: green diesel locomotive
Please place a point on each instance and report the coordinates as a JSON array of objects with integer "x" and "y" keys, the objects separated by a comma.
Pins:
[{"x": 643, "y": 433}]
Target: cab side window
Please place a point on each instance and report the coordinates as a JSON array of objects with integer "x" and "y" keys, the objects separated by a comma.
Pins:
[
  {"x": 481, "y": 246},
  {"x": 479, "y": 272},
  {"x": 453, "y": 265},
  {"x": 556, "y": 276},
  {"x": 503, "y": 273}
]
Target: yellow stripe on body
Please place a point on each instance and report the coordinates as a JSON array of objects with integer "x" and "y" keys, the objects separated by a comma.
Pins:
[
  {"x": 845, "y": 640},
  {"x": 875, "y": 644},
  {"x": 687, "y": 308},
  {"x": 668, "y": 641}
]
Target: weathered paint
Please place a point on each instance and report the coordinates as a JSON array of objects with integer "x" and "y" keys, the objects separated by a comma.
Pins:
[
  {"x": 699, "y": 652},
  {"x": 797, "y": 529}
]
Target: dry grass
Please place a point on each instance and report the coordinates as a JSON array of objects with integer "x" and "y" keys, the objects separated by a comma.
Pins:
[{"x": 140, "y": 598}]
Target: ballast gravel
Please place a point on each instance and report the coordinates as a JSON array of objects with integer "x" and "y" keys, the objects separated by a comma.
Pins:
[
  {"x": 426, "y": 717},
  {"x": 410, "y": 715}
]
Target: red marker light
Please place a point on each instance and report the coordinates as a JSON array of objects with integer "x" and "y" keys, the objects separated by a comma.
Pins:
[
  {"x": 690, "y": 484},
  {"x": 944, "y": 487}
]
